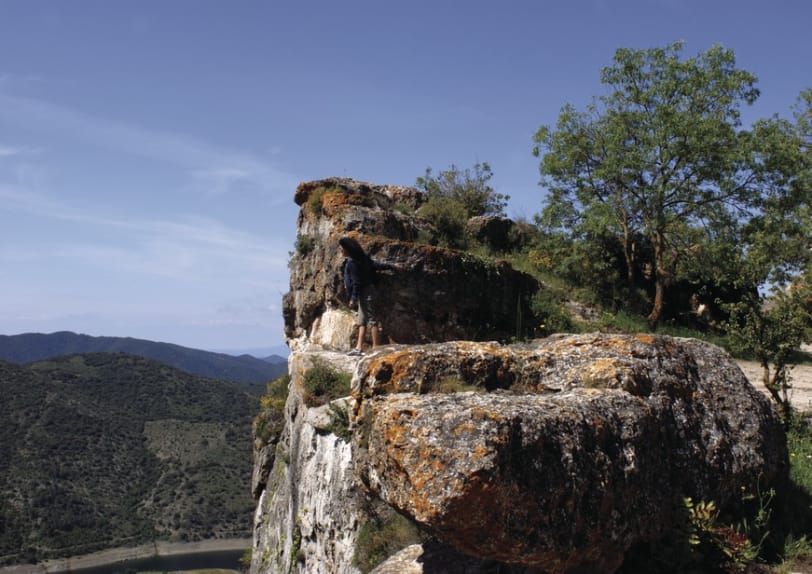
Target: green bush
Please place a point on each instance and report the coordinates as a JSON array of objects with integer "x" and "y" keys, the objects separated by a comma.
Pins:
[
  {"x": 799, "y": 442},
  {"x": 381, "y": 537},
  {"x": 469, "y": 187},
  {"x": 622, "y": 322},
  {"x": 304, "y": 244},
  {"x": 315, "y": 199},
  {"x": 323, "y": 384},
  {"x": 276, "y": 393},
  {"x": 245, "y": 560},
  {"x": 404, "y": 208},
  {"x": 271, "y": 418},
  {"x": 448, "y": 219},
  {"x": 548, "y": 309},
  {"x": 340, "y": 422}
]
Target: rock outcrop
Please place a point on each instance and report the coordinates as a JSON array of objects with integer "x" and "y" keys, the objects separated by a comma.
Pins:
[
  {"x": 554, "y": 456},
  {"x": 566, "y": 448},
  {"x": 436, "y": 294}
]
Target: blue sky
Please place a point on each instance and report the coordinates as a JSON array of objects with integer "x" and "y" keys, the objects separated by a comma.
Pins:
[{"x": 149, "y": 149}]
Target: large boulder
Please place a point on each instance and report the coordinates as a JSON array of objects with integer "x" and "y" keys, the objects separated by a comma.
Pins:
[{"x": 568, "y": 447}]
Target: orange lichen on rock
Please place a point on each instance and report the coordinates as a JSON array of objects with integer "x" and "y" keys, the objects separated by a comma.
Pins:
[
  {"x": 604, "y": 372},
  {"x": 645, "y": 338},
  {"x": 464, "y": 427},
  {"x": 332, "y": 202},
  {"x": 390, "y": 373},
  {"x": 479, "y": 414}
]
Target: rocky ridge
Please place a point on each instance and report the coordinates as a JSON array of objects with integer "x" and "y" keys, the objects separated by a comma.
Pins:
[{"x": 549, "y": 457}]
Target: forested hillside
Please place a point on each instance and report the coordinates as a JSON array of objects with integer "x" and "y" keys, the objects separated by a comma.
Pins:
[
  {"x": 104, "y": 450},
  {"x": 29, "y": 347}
]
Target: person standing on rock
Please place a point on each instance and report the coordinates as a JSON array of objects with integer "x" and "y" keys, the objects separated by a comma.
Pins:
[{"x": 359, "y": 281}]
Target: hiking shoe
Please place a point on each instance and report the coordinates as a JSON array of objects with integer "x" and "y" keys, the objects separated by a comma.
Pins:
[{"x": 355, "y": 353}]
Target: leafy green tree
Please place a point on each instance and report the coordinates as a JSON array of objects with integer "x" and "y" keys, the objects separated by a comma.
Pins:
[
  {"x": 469, "y": 187},
  {"x": 661, "y": 162},
  {"x": 776, "y": 251},
  {"x": 772, "y": 331}
]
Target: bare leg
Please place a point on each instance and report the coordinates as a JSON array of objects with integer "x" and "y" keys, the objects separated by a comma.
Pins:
[
  {"x": 375, "y": 332},
  {"x": 361, "y": 332}
]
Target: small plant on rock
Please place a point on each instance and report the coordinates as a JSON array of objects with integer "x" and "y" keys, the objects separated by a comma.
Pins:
[
  {"x": 323, "y": 384},
  {"x": 382, "y": 537},
  {"x": 340, "y": 422},
  {"x": 314, "y": 200},
  {"x": 304, "y": 244},
  {"x": 270, "y": 420}
]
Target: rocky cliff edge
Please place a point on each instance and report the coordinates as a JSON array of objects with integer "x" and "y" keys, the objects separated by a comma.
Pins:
[{"x": 553, "y": 456}]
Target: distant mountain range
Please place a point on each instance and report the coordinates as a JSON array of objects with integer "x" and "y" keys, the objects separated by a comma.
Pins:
[
  {"x": 30, "y": 347},
  {"x": 108, "y": 449}
]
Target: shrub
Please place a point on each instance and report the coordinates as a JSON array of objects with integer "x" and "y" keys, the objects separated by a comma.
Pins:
[
  {"x": 382, "y": 537},
  {"x": 245, "y": 560},
  {"x": 304, "y": 244},
  {"x": 276, "y": 393},
  {"x": 448, "y": 219},
  {"x": 622, "y": 322},
  {"x": 323, "y": 384},
  {"x": 314, "y": 200},
  {"x": 270, "y": 420},
  {"x": 404, "y": 208},
  {"x": 553, "y": 318},
  {"x": 340, "y": 422},
  {"x": 799, "y": 442},
  {"x": 470, "y": 188}
]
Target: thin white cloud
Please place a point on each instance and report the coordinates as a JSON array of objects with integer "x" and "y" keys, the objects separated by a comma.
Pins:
[
  {"x": 199, "y": 159},
  {"x": 222, "y": 180},
  {"x": 189, "y": 248},
  {"x": 8, "y": 151}
]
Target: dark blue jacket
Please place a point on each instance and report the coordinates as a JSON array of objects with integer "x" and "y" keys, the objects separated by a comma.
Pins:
[{"x": 360, "y": 274}]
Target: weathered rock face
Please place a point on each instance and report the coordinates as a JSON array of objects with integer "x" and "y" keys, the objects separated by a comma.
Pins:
[
  {"x": 582, "y": 441},
  {"x": 435, "y": 294},
  {"x": 308, "y": 507},
  {"x": 551, "y": 457}
]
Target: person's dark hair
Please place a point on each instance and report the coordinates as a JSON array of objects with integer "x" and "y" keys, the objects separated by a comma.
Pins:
[
  {"x": 362, "y": 260},
  {"x": 353, "y": 248}
]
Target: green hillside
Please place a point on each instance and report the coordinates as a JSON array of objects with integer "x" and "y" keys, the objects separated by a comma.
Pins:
[
  {"x": 105, "y": 450},
  {"x": 29, "y": 347}
]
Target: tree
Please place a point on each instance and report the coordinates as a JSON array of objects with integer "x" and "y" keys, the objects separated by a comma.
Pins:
[
  {"x": 776, "y": 251},
  {"x": 661, "y": 158},
  {"x": 469, "y": 188},
  {"x": 772, "y": 331}
]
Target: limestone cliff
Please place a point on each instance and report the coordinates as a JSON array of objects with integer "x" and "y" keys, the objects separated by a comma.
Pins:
[
  {"x": 437, "y": 294},
  {"x": 553, "y": 456}
]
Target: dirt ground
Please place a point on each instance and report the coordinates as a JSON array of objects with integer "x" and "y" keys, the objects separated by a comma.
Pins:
[{"x": 800, "y": 395}]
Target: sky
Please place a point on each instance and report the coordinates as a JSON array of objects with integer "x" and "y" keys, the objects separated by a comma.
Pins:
[{"x": 150, "y": 149}]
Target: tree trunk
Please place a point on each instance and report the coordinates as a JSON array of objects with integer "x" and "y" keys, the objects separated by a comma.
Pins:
[
  {"x": 628, "y": 250},
  {"x": 659, "y": 301},
  {"x": 777, "y": 387},
  {"x": 660, "y": 279}
]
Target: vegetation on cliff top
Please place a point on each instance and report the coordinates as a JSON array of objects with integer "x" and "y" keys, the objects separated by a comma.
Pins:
[{"x": 663, "y": 213}]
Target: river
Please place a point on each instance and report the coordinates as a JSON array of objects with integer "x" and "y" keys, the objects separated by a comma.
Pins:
[
  {"x": 158, "y": 557},
  {"x": 224, "y": 559}
]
